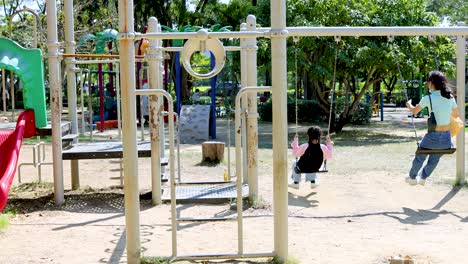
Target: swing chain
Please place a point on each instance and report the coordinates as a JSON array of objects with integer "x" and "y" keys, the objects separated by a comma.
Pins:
[
  {"x": 406, "y": 95},
  {"x": 332, "y": 90},
  {"x": 296, "y": 40}
]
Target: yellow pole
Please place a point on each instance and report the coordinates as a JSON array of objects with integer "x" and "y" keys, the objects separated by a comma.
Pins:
[
  {"x": 127, "y": 77},
  {"x": 71, "y": 84},
  {"x": 154, "y": 74},
  {"x": 461, "y": 66},
  {"x": 56, "y": 99},
  {"x": 252, "y": 122},
  {"x": 280, "y": 128}
]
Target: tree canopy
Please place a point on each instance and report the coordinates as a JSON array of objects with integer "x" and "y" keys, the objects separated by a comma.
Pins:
[{"x": 362, "y": 63}]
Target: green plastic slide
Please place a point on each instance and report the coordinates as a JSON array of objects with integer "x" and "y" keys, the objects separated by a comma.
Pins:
[{"x": 27, "y": 65}]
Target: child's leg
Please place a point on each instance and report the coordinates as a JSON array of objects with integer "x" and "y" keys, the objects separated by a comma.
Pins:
[
  {"x": 296, "y": 177},
  {"x": 311, "y": 177}
]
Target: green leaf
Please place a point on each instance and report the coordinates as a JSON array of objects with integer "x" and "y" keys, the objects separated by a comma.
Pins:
[{"x": 85, "y": 38}]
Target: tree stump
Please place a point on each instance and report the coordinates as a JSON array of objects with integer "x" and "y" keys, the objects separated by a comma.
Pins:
[{"x": 212, "y": 151}]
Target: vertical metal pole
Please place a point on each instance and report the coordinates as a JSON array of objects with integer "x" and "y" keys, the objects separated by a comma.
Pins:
[
  {"x": 237, "y": 133},
  {"x": 4, "y": 90},
  {"x": 56, "y": 98},
  {"x": 242, "y": 104},
  {"x": 71, "y": 84},
  {"x": 90, "y": 108},
  {"x": 75, "y": 174},
  {"x": 178, "y": 86},
  {"x": 162, "y": 138},
  {"x": 252, "y": 146},
  {"x": 461, "y": 86},
  {"x": 39, "y": 160},
  {"x": 131, "y": 188},
  {"x": 117, "y": 91},
  {"x": 142, "y": 118},
  {"x": 381, "y": 106},
  {"x": 228, "y": 135},
  {"x": 12, "y": 95},
  {"x": 70, "y": 66},
  {"x": 101, "y": 98},
  {"x": 172, "y": 180},
  {"x": 154, "y": 56},
  {"x": 82, "y": 81},
  {"x": 280, "y": 125},
  {"x": 213, "y": 98}
]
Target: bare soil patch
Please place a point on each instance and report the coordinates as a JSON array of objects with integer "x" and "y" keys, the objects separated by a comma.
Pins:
[{"x": 362, "y": 212}]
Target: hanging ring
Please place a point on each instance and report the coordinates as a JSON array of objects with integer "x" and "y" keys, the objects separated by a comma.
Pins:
[
  {"x": 337, "y": 39},
  {"x": 213, "y": 45},
  {"x": 296, "y": 39}
]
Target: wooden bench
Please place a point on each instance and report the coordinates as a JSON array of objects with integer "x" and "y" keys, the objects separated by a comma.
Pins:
[{"x": 102, "y": 150}]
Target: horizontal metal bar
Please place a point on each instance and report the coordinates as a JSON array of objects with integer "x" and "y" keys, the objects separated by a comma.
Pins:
[
  {"x": 194, "y": 35},
  {"x": 377, "y": 31},
  {"x": 226, "y": 256},
  {"x": 93, "y": 61},
  {"x": 317, "y": 31},
  {"x": 99, "y": 61},
  {"x": 150, "y": 92},
  {"x": 214, "y": 219},
  {"x": 252, "y": 89},
  {"x": 98, "y": 56},
  {"x": 227, "y": 48},
  {"x": 205, "y": 183}
]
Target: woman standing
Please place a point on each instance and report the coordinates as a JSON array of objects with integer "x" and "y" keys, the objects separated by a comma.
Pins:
[{"x": 442, "y": 103}]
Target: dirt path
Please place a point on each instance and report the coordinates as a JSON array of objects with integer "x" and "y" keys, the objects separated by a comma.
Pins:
[{"x": 362, "y": 212}]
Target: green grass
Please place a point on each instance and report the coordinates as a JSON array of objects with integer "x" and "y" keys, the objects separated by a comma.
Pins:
[
  {"x": 275, "y": 260},
  {"x": 48, "y": 139},
  {"x": 290, "y": 260},
  {"x": 4, "y": 221},
  {"x": 258, "y": 202},
  {"x": 203, "y": 88},
  {"x": 32, "y": 186},
  {"x": 155, "y": 260}
]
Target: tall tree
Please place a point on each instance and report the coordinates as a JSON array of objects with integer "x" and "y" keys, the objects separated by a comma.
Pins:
[
  {"x": 362, "y": 61},
  {"x": 452, "y": 11}
]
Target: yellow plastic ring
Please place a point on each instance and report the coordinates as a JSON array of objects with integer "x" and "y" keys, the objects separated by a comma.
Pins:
[{"x": 215, "y": 46}]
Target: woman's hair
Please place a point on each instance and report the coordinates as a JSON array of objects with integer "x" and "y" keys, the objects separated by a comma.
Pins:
[
  {"x": 314, "y": 132},
  {"x": 440, "y": 83}
]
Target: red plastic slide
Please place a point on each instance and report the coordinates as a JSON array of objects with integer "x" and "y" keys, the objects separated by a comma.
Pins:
[{"x": 10, "y": 145}]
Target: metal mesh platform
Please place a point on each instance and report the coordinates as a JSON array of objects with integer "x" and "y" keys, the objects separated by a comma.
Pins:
[{"x": 206, "y": 192}]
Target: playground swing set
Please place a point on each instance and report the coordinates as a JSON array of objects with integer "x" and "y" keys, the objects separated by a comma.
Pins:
[{"x": 208, "y": 41}]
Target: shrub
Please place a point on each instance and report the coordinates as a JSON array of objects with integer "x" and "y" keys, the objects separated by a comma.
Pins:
[
  {"x": 308, "y": 111},
  {"x": 466, "y": 111},
  {"x": 362, "y": 115}
]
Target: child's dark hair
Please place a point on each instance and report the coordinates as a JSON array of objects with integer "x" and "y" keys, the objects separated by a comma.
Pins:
[
  {"x": 314, "y": 132},
  {"x": 440, "y": 83}
]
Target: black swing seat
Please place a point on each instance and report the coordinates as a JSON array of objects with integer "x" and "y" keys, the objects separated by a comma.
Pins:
[
  {"x": 435, "y": 151},
  {"x": 322, "y": 169}
]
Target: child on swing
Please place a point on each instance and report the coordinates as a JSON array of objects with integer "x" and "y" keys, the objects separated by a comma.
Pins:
[{"x": 311, "y": 156}]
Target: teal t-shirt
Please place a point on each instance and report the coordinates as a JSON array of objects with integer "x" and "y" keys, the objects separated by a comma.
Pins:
[{"x": 442, "y": 107}]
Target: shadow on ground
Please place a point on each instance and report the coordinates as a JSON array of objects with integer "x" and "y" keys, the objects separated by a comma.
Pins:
[{"x": 26, "y": 199}]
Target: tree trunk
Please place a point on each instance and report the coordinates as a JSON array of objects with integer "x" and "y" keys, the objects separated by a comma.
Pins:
[
  {"x": 186, "y": 85},
  {"x": 212, "y": 151},
  {"x": 342, "y": 121}
]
